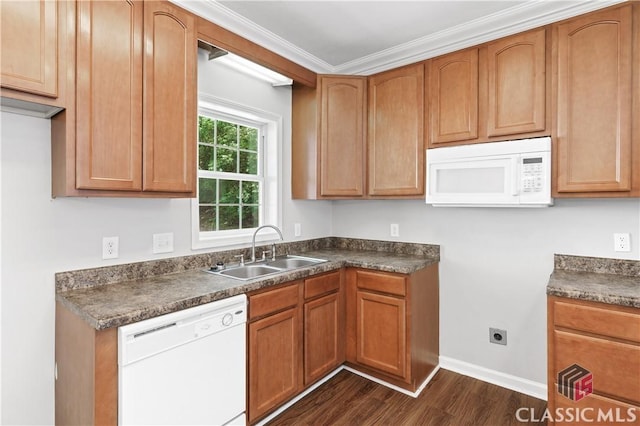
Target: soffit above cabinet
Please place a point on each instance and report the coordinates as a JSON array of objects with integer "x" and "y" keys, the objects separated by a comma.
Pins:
[{"x": 366, "y": 37}]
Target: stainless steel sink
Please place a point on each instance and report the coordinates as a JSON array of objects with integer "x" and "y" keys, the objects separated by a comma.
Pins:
[
  {"x": 293, "y": 262},
  {"x": 256, "y": 270},
  {"x": 246, "y": 272}
]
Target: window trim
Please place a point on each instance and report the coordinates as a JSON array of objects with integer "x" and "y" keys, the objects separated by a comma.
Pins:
[{"x": 272, "y": 201}]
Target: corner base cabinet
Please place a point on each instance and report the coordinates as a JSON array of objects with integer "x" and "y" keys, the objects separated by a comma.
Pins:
[
  {"x": 392, "y": 324},
  {"x": 593, "y": 360}
]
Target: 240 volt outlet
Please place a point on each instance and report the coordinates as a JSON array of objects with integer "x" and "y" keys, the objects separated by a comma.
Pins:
[{"x": 498, "y": 336}]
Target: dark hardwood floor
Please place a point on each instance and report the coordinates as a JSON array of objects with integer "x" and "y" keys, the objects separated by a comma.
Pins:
[{"x": 449, "y": 399}]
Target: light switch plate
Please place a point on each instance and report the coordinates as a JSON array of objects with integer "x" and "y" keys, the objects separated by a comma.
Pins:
[{"x": 163, "y": 243}]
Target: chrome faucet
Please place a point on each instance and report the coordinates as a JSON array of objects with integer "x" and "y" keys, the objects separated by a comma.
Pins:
[{"x": 253, "y": 241}]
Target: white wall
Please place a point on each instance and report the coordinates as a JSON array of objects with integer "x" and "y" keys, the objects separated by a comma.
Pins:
[
  {"x": 41, "y": 236},
  {"x": 494, "y": 266}
]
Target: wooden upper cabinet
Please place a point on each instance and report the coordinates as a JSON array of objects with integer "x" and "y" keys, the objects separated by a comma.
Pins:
[
  {"x": 453, "y": 88},
  {"x": 109, "y": 93},
  {"x": 342, "y": 135},
  {"x": 29, "y": 58},
  {"x": 396, "y": 138},
  {"x": 592, "y": 67},
  {"x": 516, "y": 84},
  {"x": 170, "y": 66},
  {"x": 129, "y": 127}
]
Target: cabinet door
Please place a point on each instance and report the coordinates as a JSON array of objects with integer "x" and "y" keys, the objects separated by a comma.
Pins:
[
  {"x": 29, "y": 46},
  {"x": 323, "y": 336},
  {"x": 396, "y": 132},
  {"x": 169, "y": 98},
  {"x": 593, "y": 66},
  {"x": 109, "y": 95},
  {"x": 274, "y": 361},
  {"x": 453, "y": 103},
  {"x": 381, "y": 332},
  {"x": 342, "y": 124},
  {"x": 516, "y": 72}
]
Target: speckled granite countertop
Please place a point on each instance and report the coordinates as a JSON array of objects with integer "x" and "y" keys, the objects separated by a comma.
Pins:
[
  {"x": 612, "y": 281},
  {"x": 113, "y": 303}
]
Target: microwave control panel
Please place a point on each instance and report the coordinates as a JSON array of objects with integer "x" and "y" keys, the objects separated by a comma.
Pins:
[{"x": 532, "y": 174}]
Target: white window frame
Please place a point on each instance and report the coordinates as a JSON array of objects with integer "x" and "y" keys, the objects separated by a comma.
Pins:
[{"x": 270, "y": 160}]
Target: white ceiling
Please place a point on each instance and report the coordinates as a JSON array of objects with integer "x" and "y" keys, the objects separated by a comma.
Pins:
[{"x": 365, "y": 37}]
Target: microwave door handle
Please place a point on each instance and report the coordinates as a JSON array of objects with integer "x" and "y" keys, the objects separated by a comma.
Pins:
[{"x": 515, "y": 175}]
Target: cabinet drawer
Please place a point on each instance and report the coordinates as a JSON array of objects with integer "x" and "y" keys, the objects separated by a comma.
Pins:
[
  {"x": 322, "y": 284},
  {"x": 615, "y": 366},
  {"x": 615, "y": 410},
  {"x": 273, "y": 300},
  {"x": 598, "y": 319},
  {"x": 384, "y": 283}
]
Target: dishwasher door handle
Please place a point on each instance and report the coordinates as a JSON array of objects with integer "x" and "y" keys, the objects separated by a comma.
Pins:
[{"x": 154, "y": 330}]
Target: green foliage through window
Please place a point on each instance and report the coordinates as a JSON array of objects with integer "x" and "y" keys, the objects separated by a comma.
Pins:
[{"x": 229, "y": 183}]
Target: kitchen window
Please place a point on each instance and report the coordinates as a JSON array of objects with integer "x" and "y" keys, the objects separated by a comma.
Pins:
[{"x": 238, "y": 183}]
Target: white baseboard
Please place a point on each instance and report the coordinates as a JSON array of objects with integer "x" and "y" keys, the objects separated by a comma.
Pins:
[
  {"x": 394, "y": 387},
  {"x": 518, "y": 384}
]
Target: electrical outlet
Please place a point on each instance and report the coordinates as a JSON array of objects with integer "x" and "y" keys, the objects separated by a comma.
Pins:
[
  {"x": 498, "y": 336},
  {"x": 621, "y": 242},
  {"x": 163, "y": 243},
  {"x": 297, "y": 230},
  {"x": 394, "y": 230},
  {"x": 110, "y": 247}
]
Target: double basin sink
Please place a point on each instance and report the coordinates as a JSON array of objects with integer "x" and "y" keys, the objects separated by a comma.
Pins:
[{"x": 267, "y": 267}]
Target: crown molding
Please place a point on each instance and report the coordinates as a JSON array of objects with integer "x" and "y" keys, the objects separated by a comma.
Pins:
[{"x": 523, "y": 17}]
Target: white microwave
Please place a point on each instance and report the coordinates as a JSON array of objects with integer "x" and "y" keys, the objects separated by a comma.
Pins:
[{"x": 496, "y": 174}]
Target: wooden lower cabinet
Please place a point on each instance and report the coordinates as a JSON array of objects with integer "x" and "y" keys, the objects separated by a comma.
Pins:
[
  {"x": 323, "y": 325},
  {"x": 274, "y": 349},
  {"x": 274, "y": 359},
  {"x": 392, "y": 324},
  {"x": 296, "y": 337},
  {"x": 86, "y": 388},
  {"x": 381, "y": 332},
  {"x": 604, "y": 340}
]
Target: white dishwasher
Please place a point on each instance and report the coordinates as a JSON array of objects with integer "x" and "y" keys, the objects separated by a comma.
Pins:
[{"x": 187, "y": 367}]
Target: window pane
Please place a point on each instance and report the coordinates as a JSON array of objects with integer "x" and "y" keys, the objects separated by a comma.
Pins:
[
  {"x": 207, "y": 218},
  {"x": 227, "y": 134},
  {"x": 229, "y": 192},
  {"x": 205, "y": 157},
  {"x": 229, "y": 217},
  {"x": 250, "y": 192},
  {"x": 226, "y": 160},
  {"x": 207, "y": 191},
  {"x": 249, "y": 163},
  {"x": 248, "y": 138},
  {"x": 250, "y": 217},
  {"x": 205, "y": 129}
]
